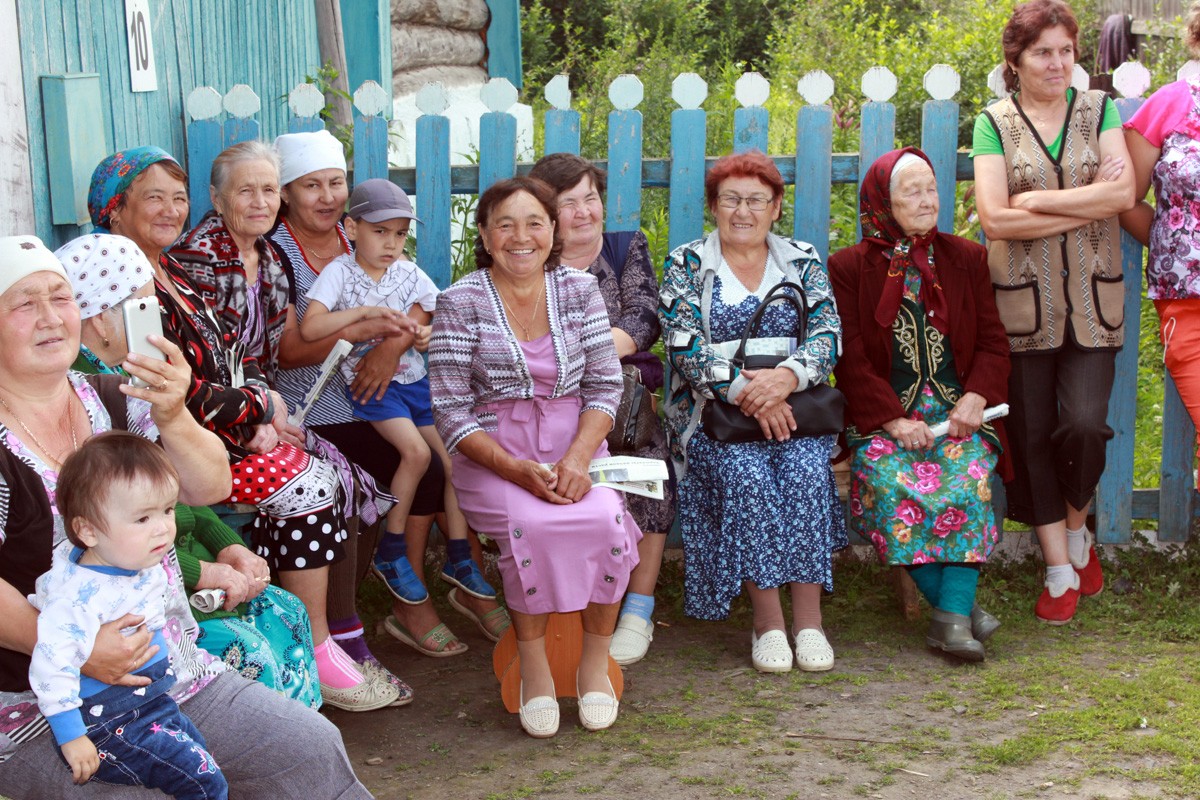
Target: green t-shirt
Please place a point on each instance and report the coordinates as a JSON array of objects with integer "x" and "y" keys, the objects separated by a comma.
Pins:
[{"x": 986, "y": 142}]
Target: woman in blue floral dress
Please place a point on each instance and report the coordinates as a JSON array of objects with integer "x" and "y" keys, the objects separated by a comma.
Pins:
[
  {"x": 754, "y": 515},
  {"x": 923, "y": 345}
]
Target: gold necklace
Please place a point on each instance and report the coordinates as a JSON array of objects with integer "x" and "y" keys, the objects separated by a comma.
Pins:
[
  {"x": 513, "y": 316},
  {"x": 70, "y": 417},
  {"x": 308, "y": 248}
]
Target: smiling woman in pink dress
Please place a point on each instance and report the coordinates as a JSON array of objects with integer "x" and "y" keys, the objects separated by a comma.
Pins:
[{"x": 525, "y": 383}]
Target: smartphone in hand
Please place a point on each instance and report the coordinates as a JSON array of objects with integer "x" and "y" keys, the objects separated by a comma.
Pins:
[{"x": 142, "y": 318}]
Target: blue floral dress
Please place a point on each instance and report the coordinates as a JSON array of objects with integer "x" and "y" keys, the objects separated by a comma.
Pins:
[
  {"x": 766, "y": 512},
  {"x": 918, "y": 507}
]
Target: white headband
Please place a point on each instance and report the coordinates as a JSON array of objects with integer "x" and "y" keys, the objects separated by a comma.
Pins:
[
  {"x": 104, "y": 270},
  {"x": 902, "y": 163},
  {"x": 302, "y": 153},
  {"x": 21, "y": 256}
]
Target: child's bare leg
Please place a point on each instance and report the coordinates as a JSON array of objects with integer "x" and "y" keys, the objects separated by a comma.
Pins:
[{"x": 401, "y": 574}]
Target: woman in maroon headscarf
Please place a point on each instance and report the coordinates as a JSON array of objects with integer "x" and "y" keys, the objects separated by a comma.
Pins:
[{"x": 921, "y": 344}]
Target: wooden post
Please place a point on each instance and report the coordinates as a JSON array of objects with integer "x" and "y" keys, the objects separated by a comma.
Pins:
[
  {"x": 814, "y": 162},
  {"x": 1114, "y": 495},
  {"x": 623, "y": 206},
  {"x": 242, "y": 104},
  {"x": 204, "y": 143},
  {"x": 371, "y": 102},
  {"x": 878, "y": 131},
  {"x": 939, "y": 138},
  {"x": 561, "y": 123},
  {"x": 433, "y": 184},
  {"x": 751, "y": 121},
  {"x": 333, "y": 52},
  {"x": 688, "y": 135},
  {"x": 306, "y": 103},
  {"x": 497, "y": 133}
]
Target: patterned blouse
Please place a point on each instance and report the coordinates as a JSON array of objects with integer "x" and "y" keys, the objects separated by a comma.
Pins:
[
  {"x": 211, "y": 256},
  {"x": 475, "y": 358},
  {"x": 212, "y": 397},
  {"x": 30, "y": 528},
  {"x": 700, "y": 369},
  {"x": 1170, "y": 119}
]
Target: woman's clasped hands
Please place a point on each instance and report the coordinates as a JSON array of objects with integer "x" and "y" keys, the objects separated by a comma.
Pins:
[{"x": 765, "y": 399}]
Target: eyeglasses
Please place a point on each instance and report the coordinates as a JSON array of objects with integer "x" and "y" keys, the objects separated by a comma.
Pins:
[{"x": 755, "y": 202}]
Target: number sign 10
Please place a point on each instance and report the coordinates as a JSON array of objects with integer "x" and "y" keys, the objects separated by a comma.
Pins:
[{"x": 138, "y": 35}]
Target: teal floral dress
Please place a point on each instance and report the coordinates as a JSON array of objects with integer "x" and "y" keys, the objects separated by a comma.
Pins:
[{"x": 918, "y": 507}]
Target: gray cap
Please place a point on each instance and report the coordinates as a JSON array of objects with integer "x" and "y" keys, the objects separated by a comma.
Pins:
[{"x": 377, "y": 200}]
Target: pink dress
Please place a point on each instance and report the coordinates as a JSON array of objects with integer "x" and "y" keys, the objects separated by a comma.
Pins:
[{"x": 553, "y": 558}]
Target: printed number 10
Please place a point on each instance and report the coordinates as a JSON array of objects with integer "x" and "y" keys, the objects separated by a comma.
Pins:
[{"x": 139, "y": 41}]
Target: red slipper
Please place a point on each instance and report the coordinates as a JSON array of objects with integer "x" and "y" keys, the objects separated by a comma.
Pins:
[
  {"x": 1091, "y": 577},
  {"x": 1056, "y": 610}
]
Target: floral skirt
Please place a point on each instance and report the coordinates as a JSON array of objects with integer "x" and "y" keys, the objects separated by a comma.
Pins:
[
  {"x": 270, "y": 643},
  {"x": 918, "y": 507}
]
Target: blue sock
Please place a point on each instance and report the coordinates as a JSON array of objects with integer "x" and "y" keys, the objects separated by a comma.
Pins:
[
  {"x": 958, "y": 589},
  {"x": 640, "y": 605},
  {"x": 458, "y": 550},
  {"x": 392, "y": 547},
  {"x": 928, "y": 578}
]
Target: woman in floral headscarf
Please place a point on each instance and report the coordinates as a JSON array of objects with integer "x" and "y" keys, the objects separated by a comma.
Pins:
[{"x": 922, "y": 344}]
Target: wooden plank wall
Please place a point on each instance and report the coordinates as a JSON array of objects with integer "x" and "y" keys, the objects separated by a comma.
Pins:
[{"x": 269, "y": 44}]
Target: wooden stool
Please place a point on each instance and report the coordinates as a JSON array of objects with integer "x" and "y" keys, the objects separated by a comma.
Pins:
[{"x": 564, "y": 646}]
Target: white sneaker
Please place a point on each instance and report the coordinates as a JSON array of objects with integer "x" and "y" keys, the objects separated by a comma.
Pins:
[{"x": 631, "y": 639}]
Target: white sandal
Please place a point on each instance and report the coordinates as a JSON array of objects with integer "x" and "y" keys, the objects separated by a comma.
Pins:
[
  {"x": 771, "y": 653},
  {"x": 813, "y": 651},
  {"x": 539, "y": 717},
  {"x": 631, "y": 639}
]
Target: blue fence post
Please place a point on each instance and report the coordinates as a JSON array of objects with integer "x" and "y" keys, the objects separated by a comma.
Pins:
[
  {"x": 689, "y": 131},
  {"x": 433, "y": 184},
  {"x": 939, "y": 138},
  {"x": 371, "y": 102},
  {"x": 878, "y": 131},
  {"x": 497, "y": 133},
  {"x": 561, "y": 125},
  {"x": 751, "y": 122},
  {"x": 814, "y": 162},
  {"x": 624, "y": 202},
  {"x": 204, "y": 143},
  {"x": 1114, "y": 496},
  {"x": 242, "y": 104},
  {"x": 306, "y": 103}
]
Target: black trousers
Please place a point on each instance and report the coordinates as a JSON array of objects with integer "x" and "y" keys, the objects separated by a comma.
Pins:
[{"x": 1057, "y": 430}]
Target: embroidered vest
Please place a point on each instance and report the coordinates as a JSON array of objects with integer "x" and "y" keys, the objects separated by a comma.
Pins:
[{"x": 1072, "y": 281}]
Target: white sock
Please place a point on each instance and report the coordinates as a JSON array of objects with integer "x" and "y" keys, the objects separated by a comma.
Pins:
[
  {"x": 1078, "y": 544},
  {"x": 1061, "y": 578}
]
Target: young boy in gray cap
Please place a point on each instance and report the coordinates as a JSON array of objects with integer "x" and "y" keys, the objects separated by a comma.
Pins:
[{"x": 378, "y": 281}]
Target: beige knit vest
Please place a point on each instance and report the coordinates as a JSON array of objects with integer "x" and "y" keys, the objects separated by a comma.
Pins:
[{"x": 1073, "y": 281}]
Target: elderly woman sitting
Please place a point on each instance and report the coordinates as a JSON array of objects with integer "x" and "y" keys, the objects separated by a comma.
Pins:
[
  {"x": 260, "y": 630},
  {"x": 267, "y": 745},
  {"x": 302, "y": 505},
  {"x": 754, "y": 514},
  {"x": 923, "y": 345},
  {"x": 525, "y": 384}
]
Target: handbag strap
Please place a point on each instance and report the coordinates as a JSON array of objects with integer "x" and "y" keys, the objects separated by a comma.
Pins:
[{"x": 778, "y": 292}]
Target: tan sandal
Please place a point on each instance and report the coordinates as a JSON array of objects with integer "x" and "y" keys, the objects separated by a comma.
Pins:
[
  {"x": 440, "y": 636},
  {"x": 493, "y": 624}
]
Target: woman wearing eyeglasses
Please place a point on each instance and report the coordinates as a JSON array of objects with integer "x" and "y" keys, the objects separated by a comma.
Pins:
[{"x": 754, "y": 515}]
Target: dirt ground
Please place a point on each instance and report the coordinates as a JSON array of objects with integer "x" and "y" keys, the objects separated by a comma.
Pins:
[{"x": 892, "y": 720}]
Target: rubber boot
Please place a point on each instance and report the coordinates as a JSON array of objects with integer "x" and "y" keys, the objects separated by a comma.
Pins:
[
  {"x": 951, "y": 633},
  {"x": 983, "y": 624}
]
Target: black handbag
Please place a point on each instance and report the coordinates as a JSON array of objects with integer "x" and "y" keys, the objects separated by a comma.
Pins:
[
  {"x": 818, "y": 410},
  {"x": 636, "y": 417}
]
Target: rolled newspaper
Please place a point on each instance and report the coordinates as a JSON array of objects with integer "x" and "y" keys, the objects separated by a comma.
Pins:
[
  {"x": 207, "y": 601},
  {"x": 989, "y": 414}
]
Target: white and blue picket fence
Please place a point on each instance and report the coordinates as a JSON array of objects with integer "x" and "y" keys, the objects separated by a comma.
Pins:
[{"x": 810, "y": 172}]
